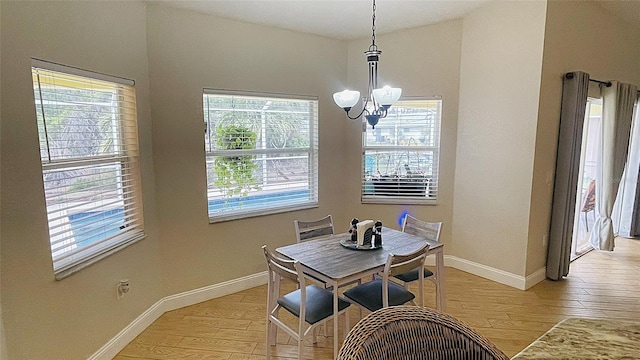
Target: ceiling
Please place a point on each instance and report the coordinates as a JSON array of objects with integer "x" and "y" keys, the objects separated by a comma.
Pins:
[
  {"x": 351, "y": 19},
  {"x": 339, "y": 19}
]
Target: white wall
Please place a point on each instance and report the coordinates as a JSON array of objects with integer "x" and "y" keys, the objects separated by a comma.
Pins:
[
  {"x": 500, "y": 72},
  {"x": 580, "y": 35},
  {"x": 72, "y": 318},
  {"x": 424, "y": 62},
  {"x": 189, "y": 51}
]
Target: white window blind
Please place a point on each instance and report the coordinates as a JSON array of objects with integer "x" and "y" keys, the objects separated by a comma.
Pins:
[
  {"x": 400, "y": 156},
  {"x": 89, "y": 150},
  {"x": 261, "y": 153}
]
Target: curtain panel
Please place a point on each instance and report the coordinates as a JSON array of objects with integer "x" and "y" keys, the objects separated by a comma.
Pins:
[
  {"x": 626, "y": 207},
  {"x": 618, "y": 101},
  {"x": 574, "y": 100}
]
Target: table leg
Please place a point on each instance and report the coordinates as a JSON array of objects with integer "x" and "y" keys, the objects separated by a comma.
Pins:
[
  {"x": 335, "y": 320},
  {"x": 440, "y": 291}
]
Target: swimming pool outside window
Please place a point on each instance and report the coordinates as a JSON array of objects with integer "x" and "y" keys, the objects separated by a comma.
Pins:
[
  {"x": 89, "y": 151},
  {"x": 261, "y": 153}
]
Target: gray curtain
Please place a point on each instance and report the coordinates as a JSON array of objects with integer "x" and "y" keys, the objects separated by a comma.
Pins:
[
  {"x": 625, "y": 209},
  {"x": 617, "y": 111},
  {"x": 574, "y": 101}
]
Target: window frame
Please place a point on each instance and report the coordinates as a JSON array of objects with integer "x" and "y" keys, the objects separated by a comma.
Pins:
[
  {"x": 117, "y": 162},
  {"x": 311, "y": 152},
  {"x": 431, "y": 188}
]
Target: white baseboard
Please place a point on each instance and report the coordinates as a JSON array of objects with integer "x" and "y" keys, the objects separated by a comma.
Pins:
[
  {"x": 126, "y": 335},
  {"x": 172, "y": 302},
  {"x": 195, "y": 296},
  {"x": 535, "y": 278},
  {"x": 487, "y": 272}
]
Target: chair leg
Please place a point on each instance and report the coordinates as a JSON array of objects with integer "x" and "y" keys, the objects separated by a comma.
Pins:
[
  {"x": 346, "y": 323},
  {"x": 269, "y": 336},
  {"x": 314, "y": 335},
  {"x": 586, "y": 221},
  {"x": 300, "y": 348}
]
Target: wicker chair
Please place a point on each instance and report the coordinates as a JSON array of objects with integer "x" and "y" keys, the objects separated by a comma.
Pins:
[{"x": 411, "y": 332}]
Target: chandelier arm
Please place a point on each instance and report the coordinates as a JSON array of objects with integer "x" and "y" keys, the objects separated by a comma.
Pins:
[
  {"x": 364, "y": 109},
  {"x": 356, "y": 117}
]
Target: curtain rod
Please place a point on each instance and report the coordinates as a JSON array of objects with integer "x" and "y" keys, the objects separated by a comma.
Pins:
[
  {"x": 605, "y": 83},
  {"x": 570, "y": 75}
]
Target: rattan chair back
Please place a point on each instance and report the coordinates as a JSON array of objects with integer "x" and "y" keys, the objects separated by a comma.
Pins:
[{"x": 415, "y": 333}]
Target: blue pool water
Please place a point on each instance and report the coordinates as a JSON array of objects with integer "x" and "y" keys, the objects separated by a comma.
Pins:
[
  {"x": 87, "y": 230},
  {"x": 258, "y": 201}
]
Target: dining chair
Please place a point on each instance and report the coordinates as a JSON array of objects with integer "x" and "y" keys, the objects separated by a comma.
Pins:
[
  {"x": 381, "y": 292},
  {"x": 427, "y": 230},
  {"x": 309, "y": 230},
  {"x": 310, "y": 304},
  {"x": 411, "y": 332},
  {"x": 313, "y": 229}
]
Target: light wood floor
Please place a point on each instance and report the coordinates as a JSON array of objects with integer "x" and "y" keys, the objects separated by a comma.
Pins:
[{"x": 600, "y": 285}]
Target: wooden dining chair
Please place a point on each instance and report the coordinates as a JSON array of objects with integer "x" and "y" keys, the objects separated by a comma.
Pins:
[
  {"x": 381, "y": 292},
  {"x": 311, "y": 304},
  {"x": 424, "y": 229},
  {"x": 309, "y": 230},
  {"x": 314, "y": 229}
]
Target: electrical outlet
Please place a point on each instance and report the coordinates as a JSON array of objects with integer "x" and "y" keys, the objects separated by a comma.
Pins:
[{"x": 122, "y": 288}]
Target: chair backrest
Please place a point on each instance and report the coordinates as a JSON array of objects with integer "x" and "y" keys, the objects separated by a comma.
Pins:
[
  {"x": 400, "y": 264},
  {"x": 284, "y": 268},
  {"x": 423, "y": 334},
  {"x": 426, "y": 229},
  {"x": 308, "y": 230}
]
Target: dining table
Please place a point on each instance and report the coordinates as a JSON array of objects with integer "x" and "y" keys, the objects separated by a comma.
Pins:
[{"x": 331, "y": 261}]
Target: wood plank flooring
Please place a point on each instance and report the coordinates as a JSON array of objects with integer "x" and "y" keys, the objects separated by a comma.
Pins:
[{"x": 599, "y": 285}]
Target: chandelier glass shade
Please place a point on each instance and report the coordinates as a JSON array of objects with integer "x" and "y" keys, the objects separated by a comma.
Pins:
[{"x": 378, "y": 100}]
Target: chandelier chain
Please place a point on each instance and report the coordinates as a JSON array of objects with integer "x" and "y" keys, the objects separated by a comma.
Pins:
[{"x": 373, "y": 28}]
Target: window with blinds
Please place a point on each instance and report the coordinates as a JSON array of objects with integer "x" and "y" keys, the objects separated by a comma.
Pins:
[
  {"x": 261, "y": 153},
  {"x": 400, "y": 156},
  {"x": 89, "y": 150}
]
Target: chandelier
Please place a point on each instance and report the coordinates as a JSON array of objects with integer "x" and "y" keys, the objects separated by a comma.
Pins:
[{"x": 379, "y": 100}]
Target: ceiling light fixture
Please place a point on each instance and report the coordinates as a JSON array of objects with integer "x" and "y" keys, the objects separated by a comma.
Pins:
[{"x": 380, "y": 99}]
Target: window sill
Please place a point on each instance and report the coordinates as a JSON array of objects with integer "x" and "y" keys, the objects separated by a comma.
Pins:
[
  {"x": 405, "y": 200},
  {"x": 263, "y": 212},
  {"x": 68, "y": 271}
]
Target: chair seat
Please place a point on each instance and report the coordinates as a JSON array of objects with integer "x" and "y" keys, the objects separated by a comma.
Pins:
[
  {"x": 413, "y": 275},
  {"x": 369, "y": 295},
  {"x": 319, "y": 304}
]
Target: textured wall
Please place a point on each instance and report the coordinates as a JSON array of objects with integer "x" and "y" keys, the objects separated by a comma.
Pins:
[{"x": 499, "y": 86}]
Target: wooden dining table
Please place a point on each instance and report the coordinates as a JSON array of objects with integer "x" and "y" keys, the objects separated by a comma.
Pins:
[{"x": 329, "y": 261}]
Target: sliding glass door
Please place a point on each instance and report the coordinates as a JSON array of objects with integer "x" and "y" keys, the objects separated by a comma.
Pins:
[{"x": 586, "y": 197}]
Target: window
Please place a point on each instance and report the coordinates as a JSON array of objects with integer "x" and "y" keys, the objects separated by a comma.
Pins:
[
  {"x": 400, "y": 156},
  {"x": 89, "y": 151},
  {"x": 261, "y": 153}
]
